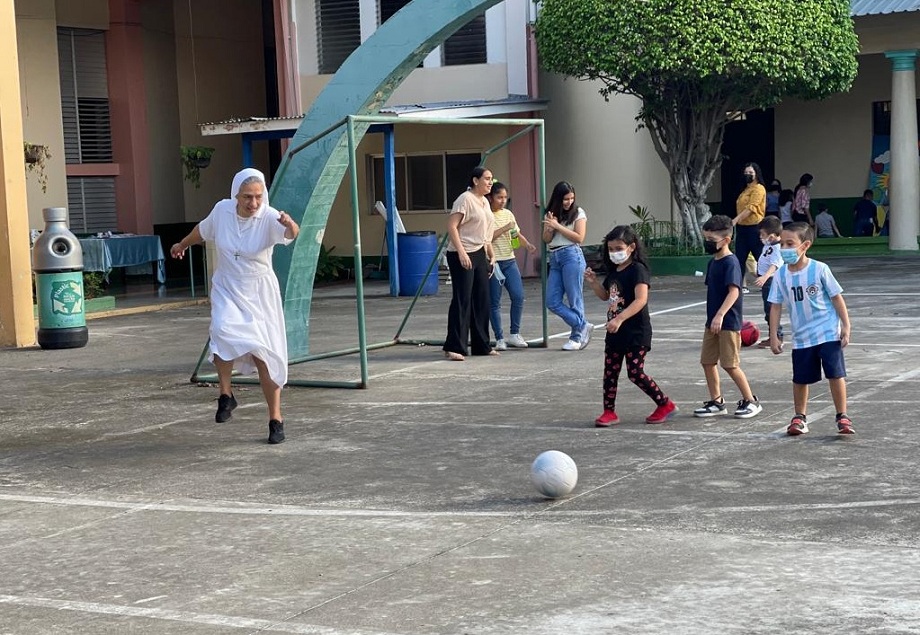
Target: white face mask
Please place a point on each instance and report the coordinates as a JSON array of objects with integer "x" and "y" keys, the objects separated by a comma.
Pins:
[
  {"x": 618, "y": 257},
  {"x": 767, "y": 242}
]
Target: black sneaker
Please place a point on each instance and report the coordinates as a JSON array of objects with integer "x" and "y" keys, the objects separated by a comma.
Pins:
[
  {"x": 225, "y": 406},
  {"x": 275, "y": 431}
]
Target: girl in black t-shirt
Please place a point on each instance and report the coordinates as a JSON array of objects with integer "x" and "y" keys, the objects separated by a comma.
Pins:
[{"x": 629, "y": 327}]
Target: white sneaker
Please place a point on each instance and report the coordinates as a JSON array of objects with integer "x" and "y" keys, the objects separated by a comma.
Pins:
[
  {"x": 516, "y": 341},
  {"x": 586, "y": 334},
  {"x": 571, "y": 345},
  {"x": 747, "y": 409},
  {"x": 500, "y": 345}
]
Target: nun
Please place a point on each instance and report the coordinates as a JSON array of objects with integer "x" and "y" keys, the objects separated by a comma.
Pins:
[{"x": 247, "y": 319}]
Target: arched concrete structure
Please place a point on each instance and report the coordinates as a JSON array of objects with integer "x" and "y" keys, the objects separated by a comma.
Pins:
[{"x": 309, "y": 180}]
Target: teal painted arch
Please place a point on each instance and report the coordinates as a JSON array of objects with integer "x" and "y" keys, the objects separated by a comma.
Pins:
[{"x": 309, "y": 180}]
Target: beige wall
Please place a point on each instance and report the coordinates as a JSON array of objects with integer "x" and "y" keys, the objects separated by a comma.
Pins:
[
  {"x": 832, "y": 139},
  {"x": 595, "y": 146},
  {"x": 40, "y": 94},
  {"x": 85, "y": 14},
  {"x": 880, "y": 33},
  {"x": 408, "y": 139},
  {"x": 425, "y": 85},
  {"x": 162, "y": 112},
  {"x": 221, "y": 76}
]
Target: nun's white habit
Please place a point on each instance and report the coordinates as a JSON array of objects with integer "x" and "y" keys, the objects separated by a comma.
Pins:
[{"x": 247, "y": 318}]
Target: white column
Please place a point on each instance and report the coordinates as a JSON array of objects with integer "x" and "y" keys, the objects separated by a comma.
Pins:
[
  {"x": 368, "y": 13},
  {"x": 904, "y": 179}
]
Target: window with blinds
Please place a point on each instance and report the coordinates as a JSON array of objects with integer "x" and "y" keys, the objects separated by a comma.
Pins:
[
  {"x": 338, "y": 32},
  {"x": 466, "y": 46},
  {"x": 91, "y": 201},
  {"x": 87, "y": 127},
  {"x": 425, "y": 181},
  {"x": 386, "y": 9}
]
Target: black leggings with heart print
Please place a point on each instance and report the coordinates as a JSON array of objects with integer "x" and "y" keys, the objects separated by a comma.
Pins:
[{"x": 635, "y": 370}]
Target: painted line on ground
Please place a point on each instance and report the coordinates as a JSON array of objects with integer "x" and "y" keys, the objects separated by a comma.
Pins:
[
  {"x": 281, "y": 510},
  {"x": 887, "y": 295},
  {"x": 188, "y": 617}
]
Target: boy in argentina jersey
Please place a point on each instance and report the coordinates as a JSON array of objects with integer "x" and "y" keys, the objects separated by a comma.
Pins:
[{"x": 820, "y": 325}]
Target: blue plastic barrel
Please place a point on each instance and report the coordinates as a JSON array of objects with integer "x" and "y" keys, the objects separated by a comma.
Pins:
[{"x": 416, "y": 250}]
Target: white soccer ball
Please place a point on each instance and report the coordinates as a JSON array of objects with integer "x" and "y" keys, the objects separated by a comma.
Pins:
[{"x": 554, "y": 473}]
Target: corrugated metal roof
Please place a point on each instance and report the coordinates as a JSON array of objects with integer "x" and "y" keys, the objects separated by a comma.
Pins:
[
  {"x": 876, "y": 7},
  {"x": 447, "y": 109}
]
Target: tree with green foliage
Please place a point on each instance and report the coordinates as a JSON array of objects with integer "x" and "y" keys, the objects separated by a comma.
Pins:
[{"x": 693, "y": 62}]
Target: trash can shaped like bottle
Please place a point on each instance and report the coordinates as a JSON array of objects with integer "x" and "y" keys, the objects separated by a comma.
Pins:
[
  {"x": 57, "y": 260},
  {"x": 416, "y": 251}
]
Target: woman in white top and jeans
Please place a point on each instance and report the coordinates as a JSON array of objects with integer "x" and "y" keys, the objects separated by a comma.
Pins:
[{"x": 564, "y": 228}]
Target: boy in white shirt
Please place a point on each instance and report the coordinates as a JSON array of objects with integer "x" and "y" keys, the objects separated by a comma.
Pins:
[{"x": 768, "y": 264}]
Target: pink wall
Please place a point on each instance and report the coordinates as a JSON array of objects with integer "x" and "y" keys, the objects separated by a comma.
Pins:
[{"x": 124, "y": 49}]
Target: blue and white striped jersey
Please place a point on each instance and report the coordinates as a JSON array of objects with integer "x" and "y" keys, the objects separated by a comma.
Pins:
[{"x": 807, "y": 295}]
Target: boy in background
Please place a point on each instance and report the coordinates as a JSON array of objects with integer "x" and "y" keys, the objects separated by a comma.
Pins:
[
  {"x": 722, "y": 337},
  {"x": 825, "y": 224},
  {"x": 820, "y": 326},
  {"x": 767, "y": 265}
]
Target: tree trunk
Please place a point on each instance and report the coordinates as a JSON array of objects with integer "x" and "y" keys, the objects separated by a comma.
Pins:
[{"x": 689, "y": 143}]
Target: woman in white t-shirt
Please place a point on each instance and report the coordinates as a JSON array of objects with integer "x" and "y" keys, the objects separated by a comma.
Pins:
[
  {"x": 470, "y": 227},
  {"x": 564, "y": 228},
  {"x": 247, "y": 316}
]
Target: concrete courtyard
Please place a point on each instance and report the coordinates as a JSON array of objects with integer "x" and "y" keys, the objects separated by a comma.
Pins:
[{"x": 406, "y": 508}]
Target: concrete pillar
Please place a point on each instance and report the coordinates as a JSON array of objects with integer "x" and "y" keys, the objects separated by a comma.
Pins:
[
  {"x": 17, "y": 325},
  {"x": 904, "y": 183}
]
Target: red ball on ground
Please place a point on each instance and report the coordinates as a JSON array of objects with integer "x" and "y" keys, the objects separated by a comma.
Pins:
[{"x": 750, "y": 334}]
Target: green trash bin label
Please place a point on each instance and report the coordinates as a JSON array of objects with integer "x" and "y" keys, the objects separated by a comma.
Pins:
[{"x": 60, "y": 300}]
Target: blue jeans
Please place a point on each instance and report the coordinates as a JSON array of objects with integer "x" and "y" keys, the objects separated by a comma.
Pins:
[
  {"x": 567, "y": 277},
  {"x": 515, "y": 286}
]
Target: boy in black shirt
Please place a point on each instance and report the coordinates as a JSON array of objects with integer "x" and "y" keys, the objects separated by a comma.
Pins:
[{"x": 722, "y": 337}]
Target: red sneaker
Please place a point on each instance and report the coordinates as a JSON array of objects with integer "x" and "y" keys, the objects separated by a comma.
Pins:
[
  {"x": 607, "y": 419},
  {"x": 844, "y": 425},
  {"x": 662, "y": 413}
]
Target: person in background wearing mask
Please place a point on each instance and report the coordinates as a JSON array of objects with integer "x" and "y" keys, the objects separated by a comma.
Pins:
[
  {"x": 820, "y": 326},
  {"x": 801, "y": 200},
  {"x": 749, "y": 209}
]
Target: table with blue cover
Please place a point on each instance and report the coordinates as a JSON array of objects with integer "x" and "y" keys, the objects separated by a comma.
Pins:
[{"x": 135, "y": 253}]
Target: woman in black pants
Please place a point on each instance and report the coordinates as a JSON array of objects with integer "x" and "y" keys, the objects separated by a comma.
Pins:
[
  {"x": 470, "y": 226},
  {"x": 750, "y": 208}
]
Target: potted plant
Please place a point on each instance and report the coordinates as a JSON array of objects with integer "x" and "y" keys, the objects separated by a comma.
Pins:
[
  {"x": 194, "y": 159},
  {"x": 36, "y": 156}
]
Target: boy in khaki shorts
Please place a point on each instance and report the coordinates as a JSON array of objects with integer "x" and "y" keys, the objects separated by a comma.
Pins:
[{"x": 722, "y": 338}]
